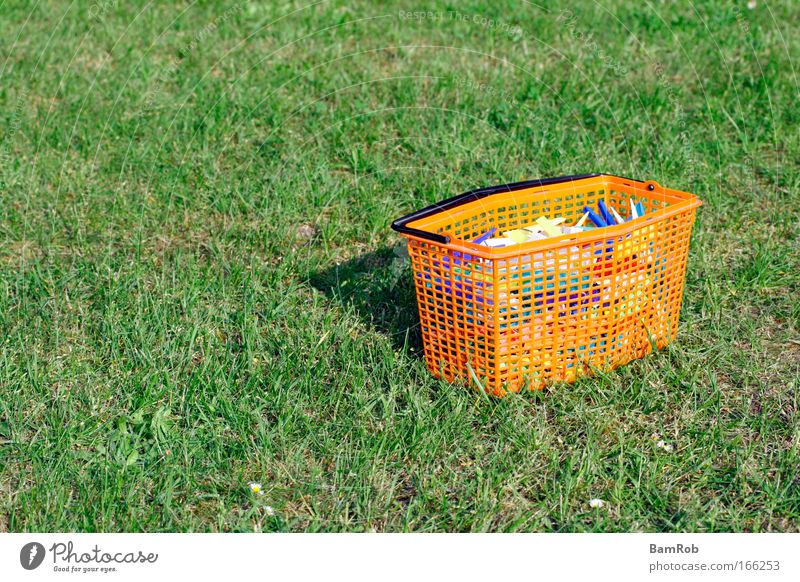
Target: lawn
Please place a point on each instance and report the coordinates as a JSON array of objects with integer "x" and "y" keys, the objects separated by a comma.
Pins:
[{"x": 199, "y": 288}]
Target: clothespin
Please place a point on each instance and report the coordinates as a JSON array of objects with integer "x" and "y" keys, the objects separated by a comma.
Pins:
[
  {"x": 484, "y": 236},
  {"x": 634, "y": 211},
  {"x": 594, "y": 217},
  {"x": 583, "y": 219},
  {"x": 548, "y": 226},
  {"x": 601, "y": 206},
  {"x": 639, "y": 209},
  {"x": 518, "y": 235},
  {"x": 619, "y": 219},
  {"x": 499, "y": 242}
]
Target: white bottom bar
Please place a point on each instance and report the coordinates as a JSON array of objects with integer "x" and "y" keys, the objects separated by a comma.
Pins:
[{"x": 407, "y": 557}]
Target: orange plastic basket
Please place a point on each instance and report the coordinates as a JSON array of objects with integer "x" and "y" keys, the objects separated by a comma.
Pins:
[{"x": 548, "y": 310}]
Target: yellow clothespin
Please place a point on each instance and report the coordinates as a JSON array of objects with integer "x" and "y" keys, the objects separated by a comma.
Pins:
[
  {"x": 548, "y": 226},
  {"x": 518, "y": 235}
]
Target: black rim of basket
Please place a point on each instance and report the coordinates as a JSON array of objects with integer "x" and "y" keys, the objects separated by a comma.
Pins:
[{"x": 401, "y": 224}]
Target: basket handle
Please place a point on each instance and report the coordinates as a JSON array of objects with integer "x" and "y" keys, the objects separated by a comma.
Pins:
[{"x": 401, "y": 224}]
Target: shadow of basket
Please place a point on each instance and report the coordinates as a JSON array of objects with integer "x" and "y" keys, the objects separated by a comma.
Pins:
[{"x": 379, "y": 287}]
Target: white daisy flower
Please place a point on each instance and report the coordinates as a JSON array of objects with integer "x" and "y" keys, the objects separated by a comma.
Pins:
[
  {"x": 269, "y": 510},
  {"x": 664, "y": 445},
  {"x": 256, "y": 488},
  {"x": 596, "y": 503}
]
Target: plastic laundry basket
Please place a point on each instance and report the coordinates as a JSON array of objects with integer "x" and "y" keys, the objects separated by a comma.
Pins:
[{"x": 547, "y": 310}]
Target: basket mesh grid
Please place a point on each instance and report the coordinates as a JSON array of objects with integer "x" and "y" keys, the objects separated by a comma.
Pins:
[{"x": 553, "y": 310}]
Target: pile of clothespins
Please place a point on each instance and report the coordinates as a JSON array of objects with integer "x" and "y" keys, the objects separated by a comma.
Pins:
[{"x": 545, "y": 227}]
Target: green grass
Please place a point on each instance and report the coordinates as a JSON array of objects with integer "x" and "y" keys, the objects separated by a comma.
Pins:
[{"x": 199, "y": 287}]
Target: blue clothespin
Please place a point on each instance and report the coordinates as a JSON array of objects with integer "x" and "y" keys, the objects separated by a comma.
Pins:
[
  {"x": 639, "y": 209},
  {"x": 485, "y": 235},
  {"x": 594, "y": 217},
  {"x": 601, "y": 206}
]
